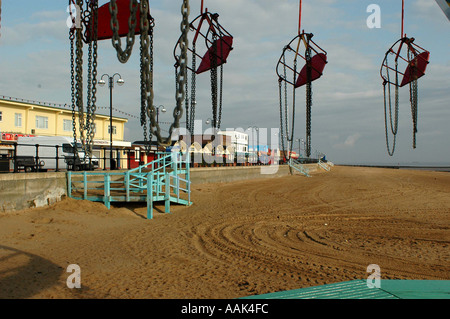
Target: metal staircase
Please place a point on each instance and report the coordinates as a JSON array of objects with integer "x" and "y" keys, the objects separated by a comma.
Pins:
[
  {"x": 296, "y": 165},
  {"x": 324, "y": 165},
  {"x": 165, "y": 179}
]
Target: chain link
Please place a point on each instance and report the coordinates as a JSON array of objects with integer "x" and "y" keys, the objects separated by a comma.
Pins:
[
  {"x": 79, "y": 82},
  {"x": 285, "y": 96},
  {"x": 186, "y": 98},
  {"x": 308, "y": 98},
  {"x": 280, "y": 94},
  {"x": 390, "y": 152},
  {"x": 413, "y": 96},
  {"x": 146, "y": 67},
  {"x": 72, "y": 81},
  {"x": 148, "y": 74},
  {"x": 220, "y": 97},
  {"x": 124, "y": 54},
  {"x": 94, "y": 78},
  {"x": 414, "y": 108},
  {"x": 387, "y": 98},
  {"x": 86, "y": 121},
  {"x": 191, "y": 116},
  {"x": 213, "y": 71},
  {"x": 89, "y": 97}
]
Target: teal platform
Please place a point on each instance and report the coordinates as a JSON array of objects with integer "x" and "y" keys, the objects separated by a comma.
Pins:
[{"x": 358, "y": 289}]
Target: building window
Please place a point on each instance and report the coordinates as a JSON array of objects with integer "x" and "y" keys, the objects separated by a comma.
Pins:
[
  {"x": 1, "y": 116},
  {"x": 18, "y": 119},
  {"x": 114, "y": 130},
  {"x": 42, "y": 122},
  {"x": 67, "y": 125}
]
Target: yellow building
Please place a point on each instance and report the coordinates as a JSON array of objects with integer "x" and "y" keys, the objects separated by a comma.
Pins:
[{"x": 24, "y": 117}]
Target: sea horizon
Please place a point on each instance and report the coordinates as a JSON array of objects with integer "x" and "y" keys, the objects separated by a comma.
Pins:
[{"x": 432, "y": 166}]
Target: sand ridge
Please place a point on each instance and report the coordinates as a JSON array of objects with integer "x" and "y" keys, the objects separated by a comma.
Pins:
[{"x": 238, "y": 239}]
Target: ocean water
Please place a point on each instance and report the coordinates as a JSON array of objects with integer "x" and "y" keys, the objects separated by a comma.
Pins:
[{"x": 437, "y": 166}]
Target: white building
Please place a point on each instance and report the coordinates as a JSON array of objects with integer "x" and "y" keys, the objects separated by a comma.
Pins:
[{"x": 239, "y": 140}]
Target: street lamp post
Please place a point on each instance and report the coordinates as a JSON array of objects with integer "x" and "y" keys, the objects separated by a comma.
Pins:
[
  {"x": 253, "y": 146},
  {"x": 163, "y": 109},
  {"x": 209, "y": 121},
  {"x": 102, "y": 82},
  {"x": 299, "y": 148}
]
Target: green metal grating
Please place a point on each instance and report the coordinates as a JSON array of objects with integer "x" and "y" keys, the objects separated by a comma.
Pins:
[{"x": 358, "y": 289}]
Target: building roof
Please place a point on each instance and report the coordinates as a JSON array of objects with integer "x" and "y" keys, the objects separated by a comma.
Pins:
[{"x": 50, "y": 106}]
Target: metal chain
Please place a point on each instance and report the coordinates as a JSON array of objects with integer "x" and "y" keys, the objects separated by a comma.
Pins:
[
  {"x": 308, "y": 118},
  {"x": 79, "y": 80},
  {"x": 414, "y": 107},
  {"x": 181, "y": 76},
  {"x": 124, "y": 55},
  {"x": 280, "y": 90},
  {"x": 308, "y": 99},
  {"x": 213, "y": 71},
  {"x": 147, "y": 124},
  {"x": 72, "y": 81},
  {"x": 186, "y": 99},
  {"x": 94, "y": 78},
  {"x": 285, "y": 96},
  {"x": 390, "y": 152},
  {"x": 387, "y": 98},
  {"x": 88, "y": 93},
  {"x": 146, "y": 67},
  {"x": 413, "y": 95},
  {"x": 394, "y": 125},
  {"x": 90, "y": 20},
  {"x": 193, "y": 90},
  {"x": 286, "y": 129},
  {"x": 147, "y": 73},
  {"x": 397, "y": 102},
  {"x": 220, "y": 96},
  {"x": 290, "y": 138}
]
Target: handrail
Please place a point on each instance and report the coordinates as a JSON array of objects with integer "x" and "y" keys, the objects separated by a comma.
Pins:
[
  {"x": 323, "y": 165},
  {"x": 298, "y": 167},
  {"x": 159, "y": 182}
]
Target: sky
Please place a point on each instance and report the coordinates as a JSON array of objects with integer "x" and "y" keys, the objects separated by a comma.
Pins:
[{"x": 347, "y": 112}]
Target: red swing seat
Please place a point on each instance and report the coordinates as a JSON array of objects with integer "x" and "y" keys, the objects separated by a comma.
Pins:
[
  {"x": 318, "y": 63},
  {"x": 416, "y": 68},
  {"x": 104, "y": 31},
  {"x": 223, "y": 46}
]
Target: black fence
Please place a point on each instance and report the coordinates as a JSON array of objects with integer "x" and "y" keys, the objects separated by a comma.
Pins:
[{"x": 43, "y": 158}]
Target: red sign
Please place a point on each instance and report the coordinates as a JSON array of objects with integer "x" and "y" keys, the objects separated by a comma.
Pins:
[{"x": 13, "y": 137}]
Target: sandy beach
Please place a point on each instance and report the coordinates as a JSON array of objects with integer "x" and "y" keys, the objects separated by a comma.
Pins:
[{"x": 237, "y": 239}]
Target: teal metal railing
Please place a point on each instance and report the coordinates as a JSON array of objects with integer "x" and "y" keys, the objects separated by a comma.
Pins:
[
  {"x": 323, "y": 165},
  {"x": 165, "y": 179},
  {"x": 296, "y": 165}
]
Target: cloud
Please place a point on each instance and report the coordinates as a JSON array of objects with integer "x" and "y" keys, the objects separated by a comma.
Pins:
[
  {"x": 38, "y": 32},
  {"x": 349, "y": 142}
]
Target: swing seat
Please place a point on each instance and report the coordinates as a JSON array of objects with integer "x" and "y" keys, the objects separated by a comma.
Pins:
[
  {"x": 318, "y": 63},
  {"x": 104, "y": 31},
  {"x": 416, "y": 68},
  {"x": 223, "y": 48}
]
